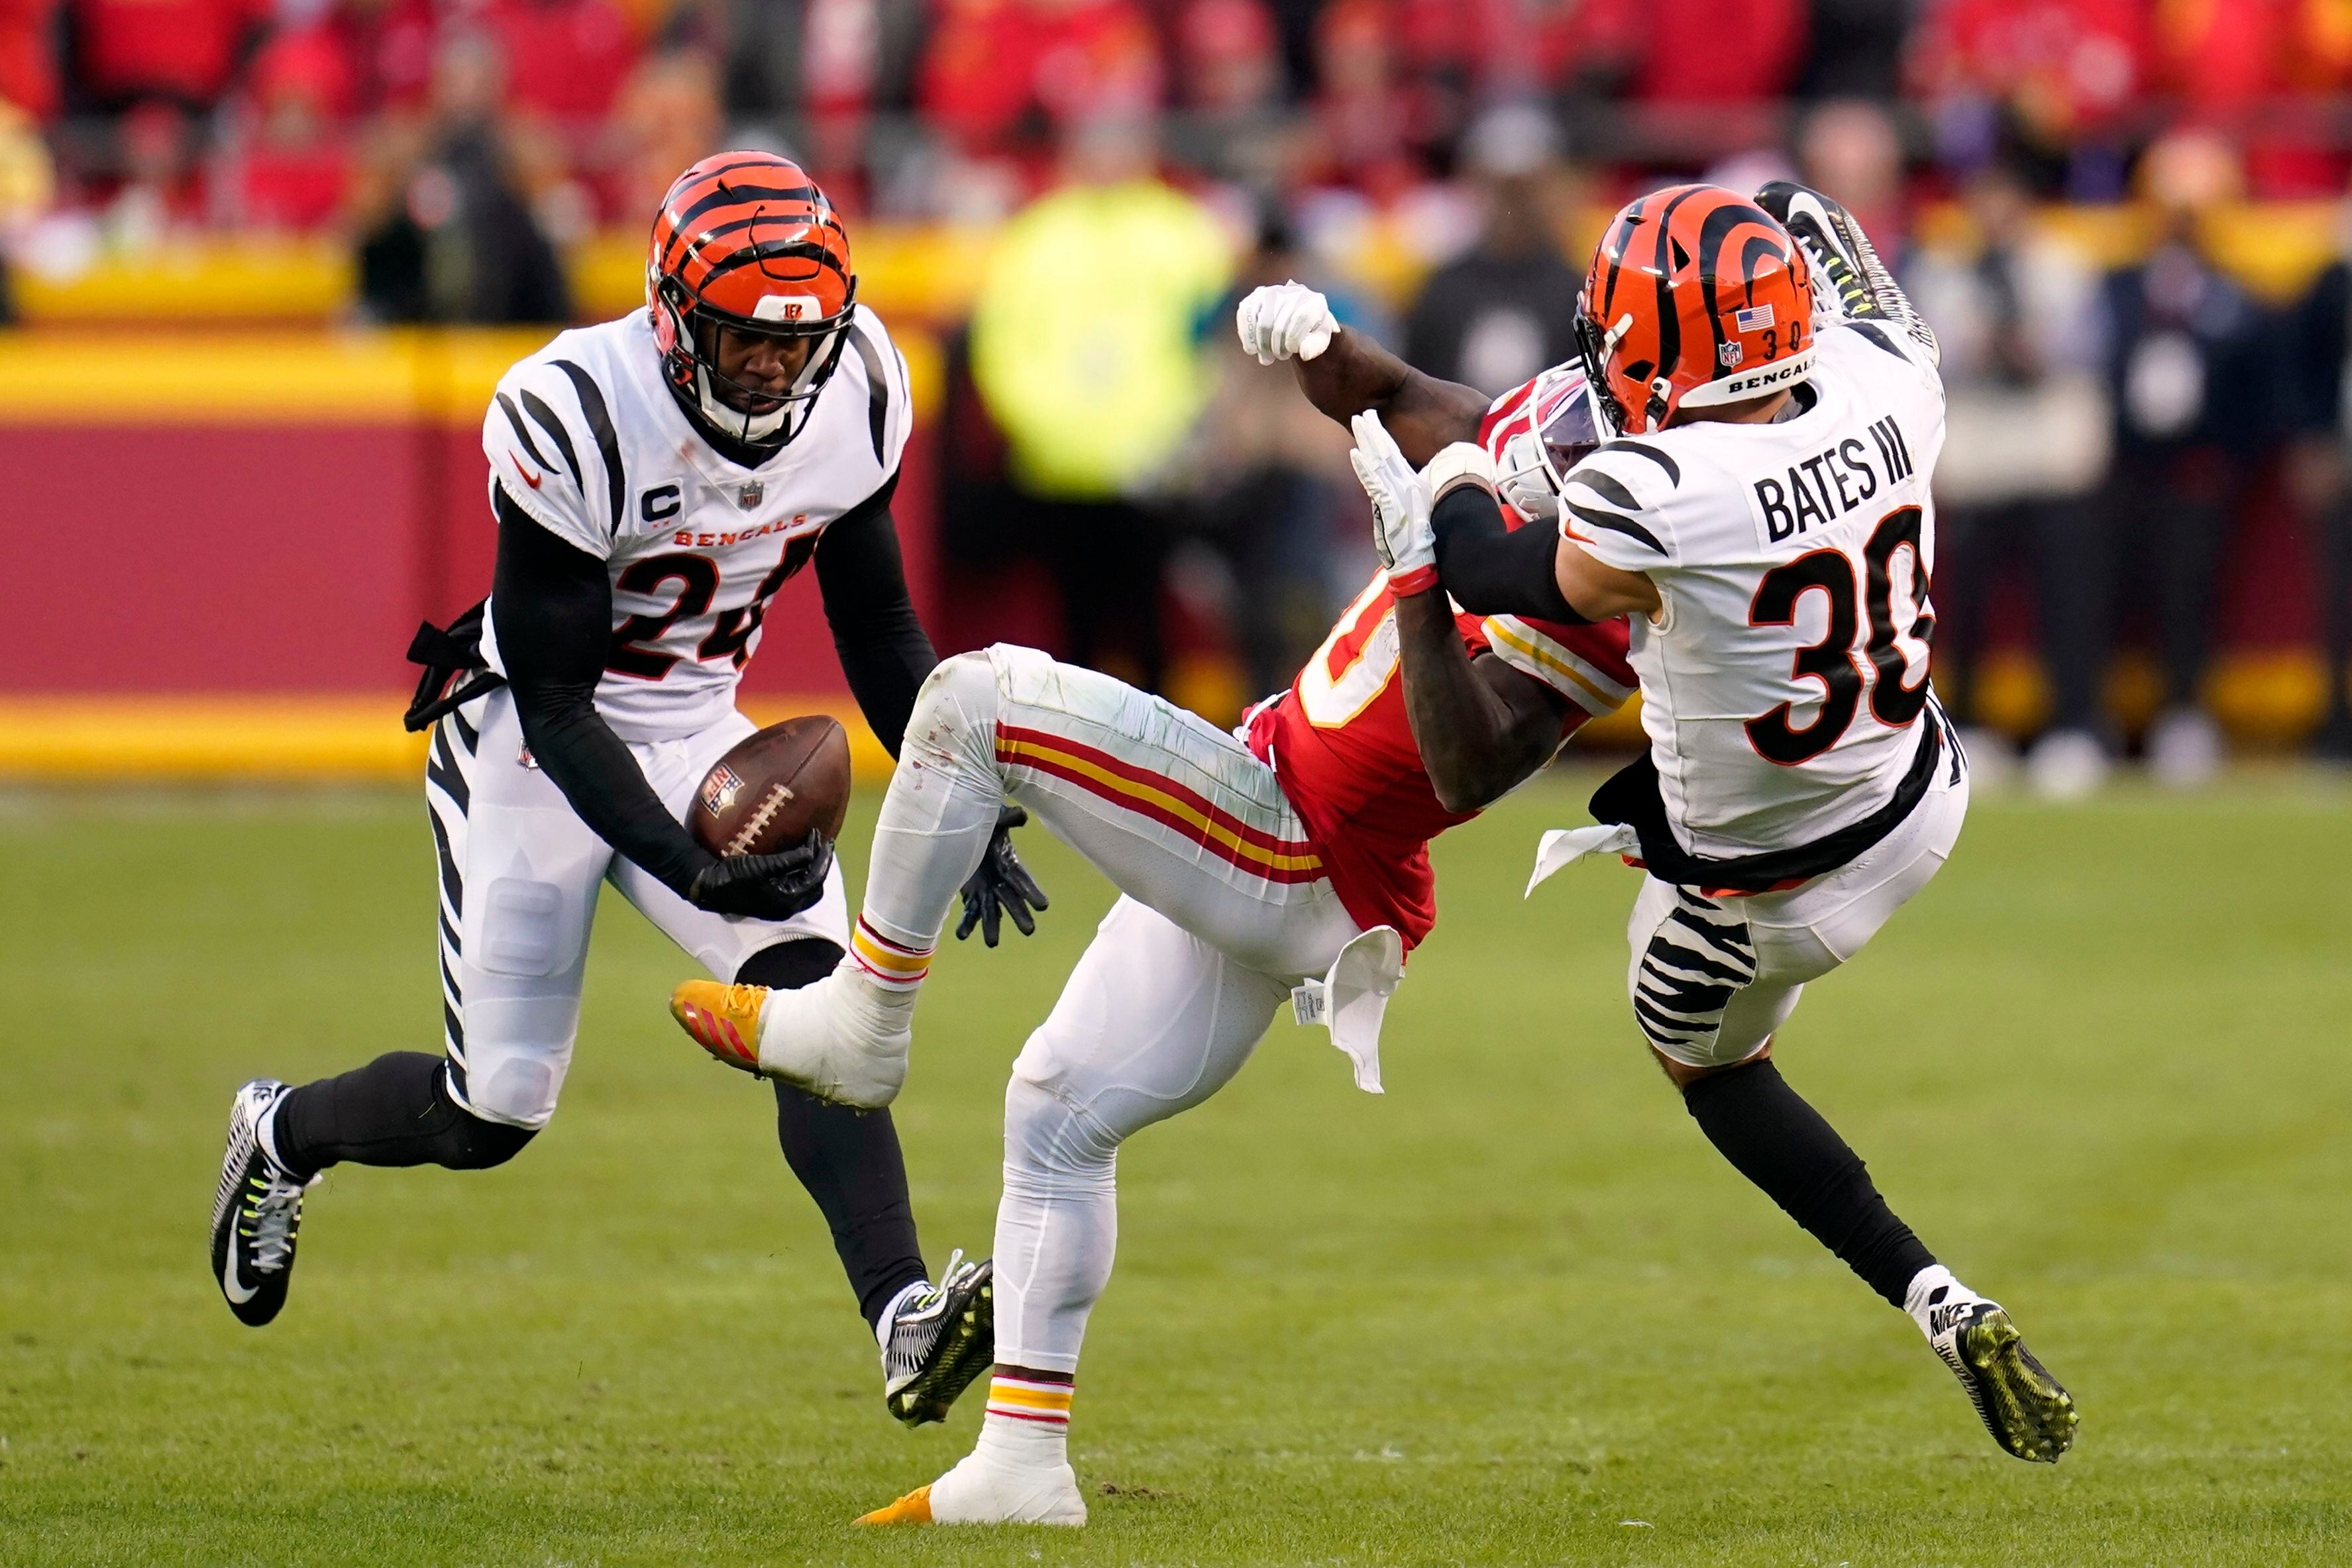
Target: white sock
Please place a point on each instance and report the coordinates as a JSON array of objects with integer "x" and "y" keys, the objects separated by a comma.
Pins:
[
  {"x": 265, "y": 1132},
  {"x": 883, "y": 1324},
  {"x": 1930, "y": 1288}
]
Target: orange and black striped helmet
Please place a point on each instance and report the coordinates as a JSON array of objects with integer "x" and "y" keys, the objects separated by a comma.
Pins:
[
  {"x": 1697, "y": 298},
  {"x": 746, "y": 240}
]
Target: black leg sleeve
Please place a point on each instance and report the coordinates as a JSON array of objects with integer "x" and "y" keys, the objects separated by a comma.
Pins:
[
  {"x": 1783, "y": 1144},
  {"x": 848, "y": 1159},
  {"x": 395, "y": 1111}
]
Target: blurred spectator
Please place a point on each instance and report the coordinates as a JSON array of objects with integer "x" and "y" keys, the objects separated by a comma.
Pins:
[
  {"x": 2319, "y": 469},
  {"x": 1084, "y": 347},
  {"x": 1855, "y": 47},
  {"x": 1359, "y": 109},
  {"x": 388, "y": 45},
  {"x": 28, "y": 64},
  {"x": 293, "y": 168},
  {"x": 1711, "y": 53},
  {"x": 1002, "y": 77},
  {"x": 2228, "y": 64},
  {"x": 2026, "y": 445},
  {"x": 161, "y": 190},
  {"x": 2187, "y": 366},
  {"x": 667, "y": 117},
  {"x": 2053, "y": 76},
  {"x": 1271, "y": 488},
  {"x": 835, "y": 62},
  {"x": 1228, "y": 78},
  {"x": 185, "y": 51},
  {"x": 28, "y": 181},
  {"x": 1508, "y": 308},
  {"x": 452, "y": 236},
  {"x": 565, "y": 60},
  {"x": 1849, "y": 149}
]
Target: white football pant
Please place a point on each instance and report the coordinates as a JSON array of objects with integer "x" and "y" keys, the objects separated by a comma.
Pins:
[
  {"x": 1712, "y": 978},
  {"x": 519, "y": 872},
  {"x": 1225, "y": 909}
]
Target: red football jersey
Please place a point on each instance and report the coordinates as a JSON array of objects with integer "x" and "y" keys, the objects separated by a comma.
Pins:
[{"x": 1343, "y": 748}]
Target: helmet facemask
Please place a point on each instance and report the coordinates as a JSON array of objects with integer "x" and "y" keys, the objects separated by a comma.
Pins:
[
  {"x": 1594, "y": 349},
  {"x": 1566, "y": 423},
  {"x": 768, "y": 418}
]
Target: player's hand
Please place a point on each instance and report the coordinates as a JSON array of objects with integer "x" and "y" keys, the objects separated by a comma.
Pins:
[
  {"x": 1284, "y": 319},
  {"x": 1401, "y": 530},
  {"x": 1001, "y": 886},
  {"x": 764, "y": 887}
]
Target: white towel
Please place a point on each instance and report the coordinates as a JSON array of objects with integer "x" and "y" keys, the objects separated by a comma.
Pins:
[
  {"x": 1351, "y": 999},
  {"x": 1564, "y": 846}
]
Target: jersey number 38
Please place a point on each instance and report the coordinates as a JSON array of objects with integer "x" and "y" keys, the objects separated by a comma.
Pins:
[{"x": 1835, "y": 661}]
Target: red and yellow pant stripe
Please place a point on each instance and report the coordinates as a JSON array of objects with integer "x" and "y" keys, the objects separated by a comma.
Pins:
[{"x": 1157, "y": 796}]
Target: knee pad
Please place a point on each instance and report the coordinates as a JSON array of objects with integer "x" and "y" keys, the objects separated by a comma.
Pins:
[
  {"x": 955, "y": 712},
  {"x": 1050, "y": 1144}
]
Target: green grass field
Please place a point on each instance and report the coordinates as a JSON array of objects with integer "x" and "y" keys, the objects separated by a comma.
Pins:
[{"x": 1515, "y": 1312}]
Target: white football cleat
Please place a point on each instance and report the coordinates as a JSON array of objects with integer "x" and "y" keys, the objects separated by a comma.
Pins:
[{"x": 979, "y": 1492}]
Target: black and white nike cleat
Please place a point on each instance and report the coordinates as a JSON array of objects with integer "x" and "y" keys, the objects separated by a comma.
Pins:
[
  {"x": 937, "y": 1339},
  {"x": 2028, "y": 1413},
  {"x": 258, "y": 1213}
]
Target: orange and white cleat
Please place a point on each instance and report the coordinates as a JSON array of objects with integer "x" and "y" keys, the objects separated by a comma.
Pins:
[
  {"x": 915, "y": 1507},
  {"x": 723, "y": 1020},
  {"x": 978, "y": 1491}
]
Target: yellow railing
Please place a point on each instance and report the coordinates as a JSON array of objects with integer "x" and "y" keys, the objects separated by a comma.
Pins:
[{"x": 928, "y": 272}]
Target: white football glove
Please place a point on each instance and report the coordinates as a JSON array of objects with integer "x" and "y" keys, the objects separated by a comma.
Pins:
[
  {"x": 1283, "y": 320},
  {"x": 1400, "y": 504}
]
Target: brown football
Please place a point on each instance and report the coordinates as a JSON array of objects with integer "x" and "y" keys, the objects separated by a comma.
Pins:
[{"x": 773, "y": 787}]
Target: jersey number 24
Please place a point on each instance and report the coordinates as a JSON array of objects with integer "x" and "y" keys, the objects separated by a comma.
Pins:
[{"x": 1835, "y": 660}]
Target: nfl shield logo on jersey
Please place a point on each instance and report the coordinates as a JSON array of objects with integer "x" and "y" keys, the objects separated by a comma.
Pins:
[{"x": 747, "y": 493}]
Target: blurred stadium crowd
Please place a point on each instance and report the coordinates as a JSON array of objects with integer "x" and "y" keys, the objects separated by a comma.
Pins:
[{"x": 2147, "y": 381}]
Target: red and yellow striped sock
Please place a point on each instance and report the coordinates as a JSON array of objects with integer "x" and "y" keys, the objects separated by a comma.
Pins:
[
  {"x": 890, "y": 963},
  {"x": 1028, "y": 1419}
]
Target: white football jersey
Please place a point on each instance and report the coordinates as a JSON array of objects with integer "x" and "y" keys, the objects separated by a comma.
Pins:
[
  {"x": 586, "y": 439},
  {"x": 1783, "y": 687}
]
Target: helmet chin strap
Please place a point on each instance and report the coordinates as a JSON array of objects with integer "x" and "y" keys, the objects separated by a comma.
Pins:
[
  {"x": 778, "y": 425},
  {"x": 752, "y": 429}
]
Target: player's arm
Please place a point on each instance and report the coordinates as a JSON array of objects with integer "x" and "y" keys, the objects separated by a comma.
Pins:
[
  {"x": 1346, "y": 374},
  {"x": 552, "y": 605},
  {"x": 1491, "y": 569},
  {"x": 1481, "y": 725},
  {"x": 862, "y": 579}
]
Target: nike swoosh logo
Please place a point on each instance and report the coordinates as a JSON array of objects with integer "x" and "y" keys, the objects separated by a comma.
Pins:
[
  {"x": 239, "y": 1294},
  {"x": 531, "y": 480}
]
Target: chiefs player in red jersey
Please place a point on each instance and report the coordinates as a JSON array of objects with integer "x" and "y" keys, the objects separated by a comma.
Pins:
[{"x": 1288, "y": 861}]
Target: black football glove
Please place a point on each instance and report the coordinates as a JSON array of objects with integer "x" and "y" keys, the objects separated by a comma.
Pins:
[
  {"x": 1001, "y": 886},
  {"x": 764, "y": 887}
]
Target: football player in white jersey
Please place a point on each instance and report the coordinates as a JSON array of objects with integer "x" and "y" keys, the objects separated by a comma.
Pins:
[
  {"x": 655, "y": 479},
  {"x": 1763, "y": 517}
]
